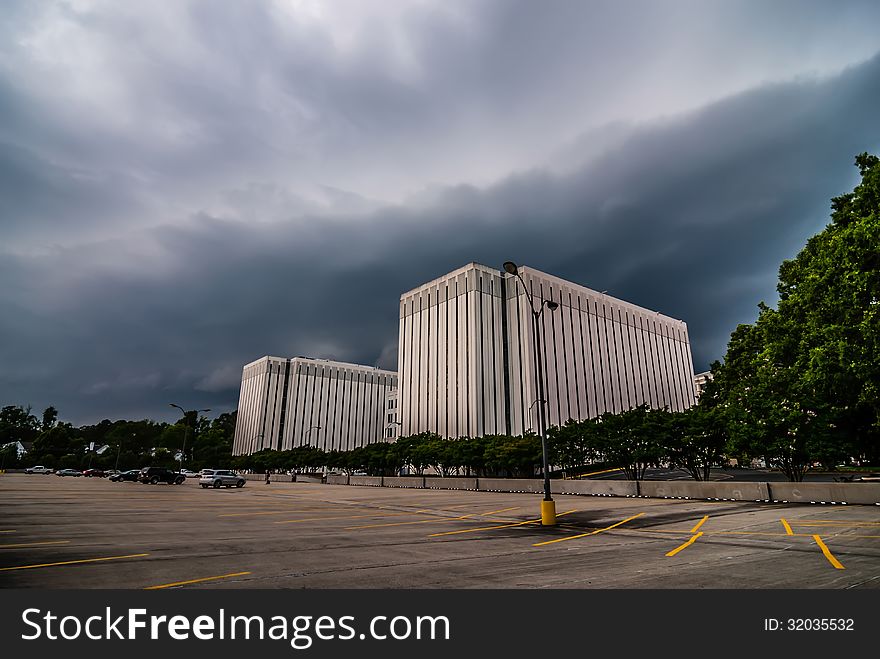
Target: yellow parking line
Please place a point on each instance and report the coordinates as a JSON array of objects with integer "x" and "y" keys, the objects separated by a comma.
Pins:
[
  {"x": 583, "y": 535},
  {"x": 788, "y": 530},
  {"x": 685, "y": 545},
  {"x": 837, "y": 564},
  {"x": 184, "y": 583},
  {"x": 502, "y": 526},
  {"x": 35, "y": 544},
  {"x": 596, "y": 473},
  {"x": 8, "y": 531},
  {"x": 421, "y": 521},
  {"x": 82, "y": 560},
  {"x": 764, "y": 533},
  {"x": 700, "y": 523}
]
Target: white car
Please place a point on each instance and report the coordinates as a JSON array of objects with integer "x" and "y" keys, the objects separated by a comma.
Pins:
[
  {"x": 39, "y": 469},
  {"x": 190, "y": 474},
  {"x": 221, "y": 478}
]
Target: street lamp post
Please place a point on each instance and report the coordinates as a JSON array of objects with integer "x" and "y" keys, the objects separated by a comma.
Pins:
[
  {"x": 186, "y": 430},
  {"x": 119, "y": 450},
  {"x": 548, "y": 506}
]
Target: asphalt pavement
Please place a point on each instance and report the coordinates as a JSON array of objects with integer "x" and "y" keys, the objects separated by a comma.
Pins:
[{"x": 92, "y": 533}]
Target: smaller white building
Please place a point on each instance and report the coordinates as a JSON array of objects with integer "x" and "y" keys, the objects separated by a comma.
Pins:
[{"x": 286, "y": 403}]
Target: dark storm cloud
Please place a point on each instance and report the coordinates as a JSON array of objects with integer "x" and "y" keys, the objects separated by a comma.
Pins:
[
  {"x": 184, "y": 188},
  {"x": 690, "y": 216}
]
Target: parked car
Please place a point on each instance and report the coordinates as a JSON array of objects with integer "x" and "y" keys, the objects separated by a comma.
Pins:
[
  {"x": 221, "y": 478},
  {"x": 190, "y": 474},
  {"x": 69, "y": 472},
  {"x": 206, "y": 472},
  {"x": 156, "y": 475},
  {"x": 39, "y": 469},
  {"x": 94, "y": 473},
  {"x": 130, "y": 475}
]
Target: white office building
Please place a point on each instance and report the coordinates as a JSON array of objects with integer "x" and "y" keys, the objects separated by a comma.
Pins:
[
  {"x": 291, "y": 402},
  {"x": 467, "y": 360}
]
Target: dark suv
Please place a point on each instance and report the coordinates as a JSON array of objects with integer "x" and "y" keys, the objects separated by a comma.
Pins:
[{"x": 156, "y": 475}]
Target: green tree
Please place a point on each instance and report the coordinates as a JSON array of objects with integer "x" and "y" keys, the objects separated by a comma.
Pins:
[
  {"x": 632, "y": 440},
  {"x": 569, "y": 446},
  {"x": 802, "y": 384},
  {"x": 17, "y": 424},
  {"x": 212, "y": 449},
  {"x": 416, "y": 451},
  {"x": 697, "y": 439},
  {"x": 50, "y": 417},
  {"x": 513, "y": 456},
  {"x": 60, "y": 440}
]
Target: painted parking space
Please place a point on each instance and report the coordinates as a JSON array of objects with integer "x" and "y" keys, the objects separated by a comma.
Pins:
[{"x": 319, "y": 536}]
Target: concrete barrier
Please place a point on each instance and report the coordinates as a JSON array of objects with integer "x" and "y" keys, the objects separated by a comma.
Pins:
[
  {"x": 274, "y": 478},
  {"x": 416, "y": 482},
  {"x": 452, "y": 483},
  {"x": 511, "y": 485},
  {"x": 851, "y": 493},
  {"x": 854, "y": 493},
  {"x": 372, "y": 481},
  {"x": 739, "y": 491},
  {"x": 606, "y": 488},
  {"x": 312, "y": 478}
]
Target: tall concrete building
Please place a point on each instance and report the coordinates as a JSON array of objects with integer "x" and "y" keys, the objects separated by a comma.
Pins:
[
  {"x": 286, "y": 403},
  {"x": 467, "y": 362}
]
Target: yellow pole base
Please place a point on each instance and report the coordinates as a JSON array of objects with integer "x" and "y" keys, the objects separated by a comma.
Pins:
[{"x": 548, "y": 513}]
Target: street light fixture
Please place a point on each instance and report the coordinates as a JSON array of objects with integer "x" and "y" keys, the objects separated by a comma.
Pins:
[
  {"x": 548, "y": 506},
  {"x": 186, "y": 430}
]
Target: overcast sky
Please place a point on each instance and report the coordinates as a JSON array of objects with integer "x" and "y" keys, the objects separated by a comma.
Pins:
[{"x": 188, "y": 186}]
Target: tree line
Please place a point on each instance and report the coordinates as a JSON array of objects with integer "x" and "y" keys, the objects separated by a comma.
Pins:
[
  {"x": 112, "y": 444},
  {"x": 632, "y": 441}
]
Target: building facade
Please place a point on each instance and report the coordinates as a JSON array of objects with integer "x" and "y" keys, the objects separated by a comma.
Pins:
[
  {"x": 290, "y": 402},
  {"x": 467, "y": 362}
]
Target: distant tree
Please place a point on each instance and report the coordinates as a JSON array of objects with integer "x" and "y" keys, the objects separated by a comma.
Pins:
[
  {"x": 416, "y": 451},
  {"x": 571, "y": 446},
  {"x": 17, "y": 424},
  {"x": 211, "y": 449},
  {"x": 514, "y": 456},
  {"x": 9, "y": 457},
  {"x": 63, "y": 440},
  {"x": 697, "y": 439},
  {"x": 632, "y": 440},
  {"x": 50, "y": 417},
  {"x": 471, "y": 454}
]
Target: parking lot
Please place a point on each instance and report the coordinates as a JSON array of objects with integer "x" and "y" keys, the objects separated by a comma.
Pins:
[{"x": 92, "y": 533}]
